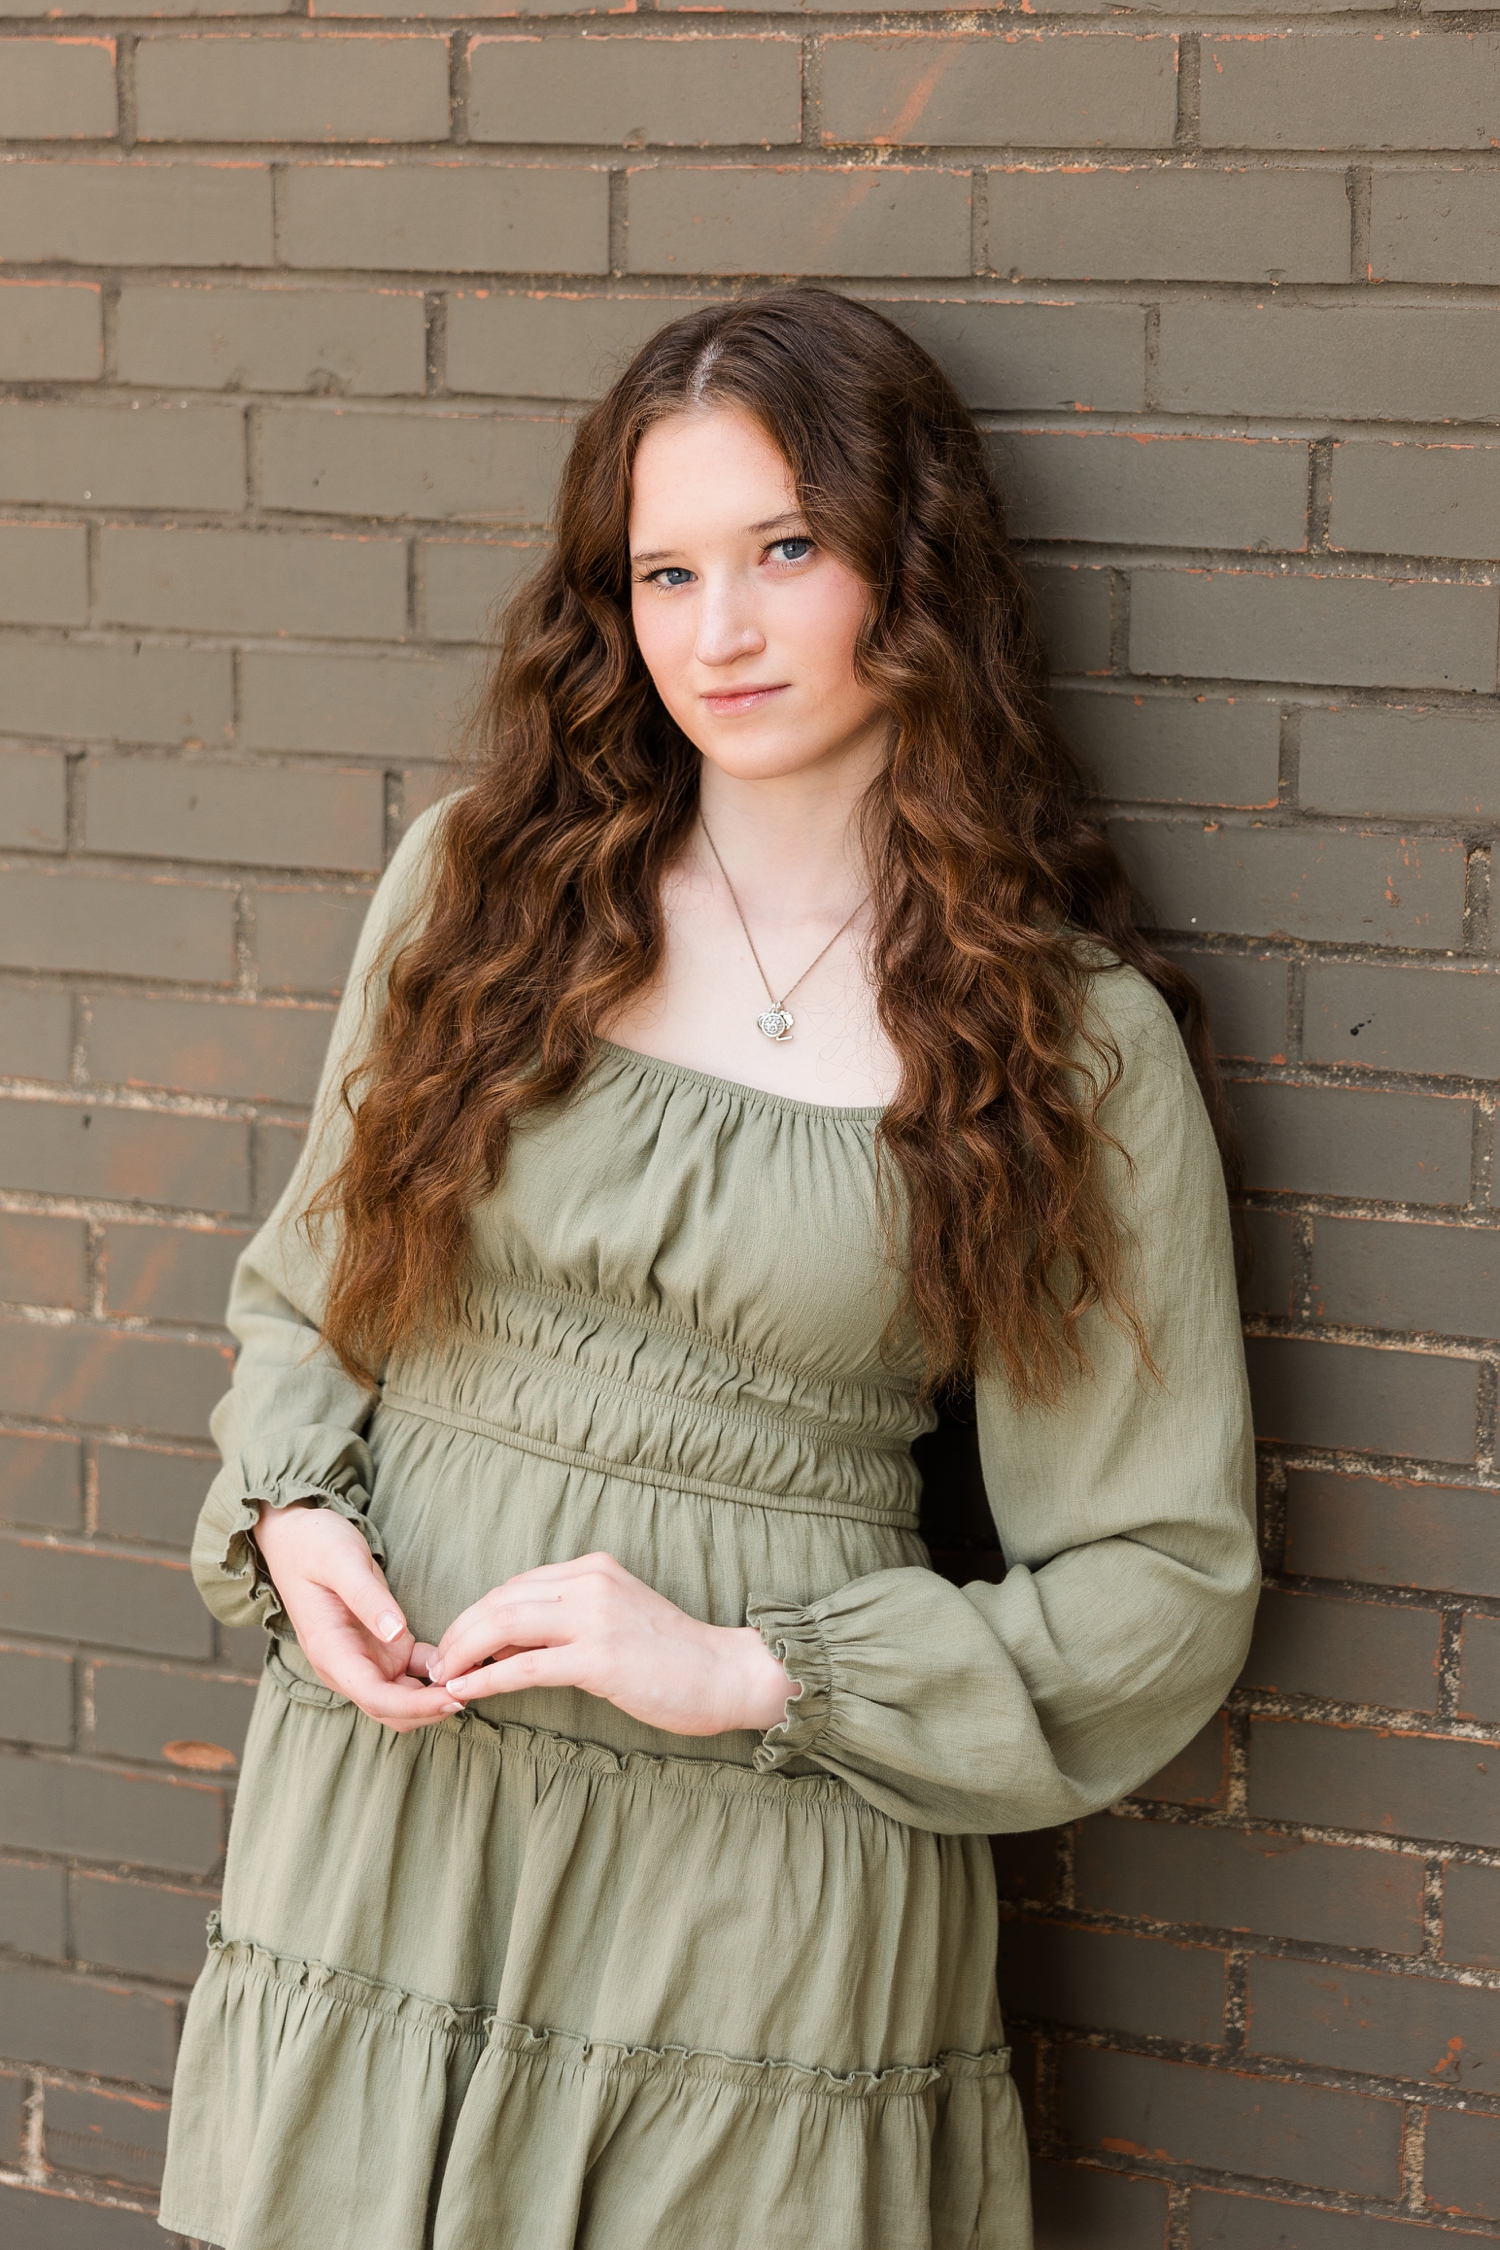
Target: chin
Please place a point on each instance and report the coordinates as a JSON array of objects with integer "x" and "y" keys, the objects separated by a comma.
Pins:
[{"x": 749, "y": 760}]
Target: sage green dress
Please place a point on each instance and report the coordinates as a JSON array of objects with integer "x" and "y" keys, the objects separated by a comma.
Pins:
[{"x": 541, "y": 1976}]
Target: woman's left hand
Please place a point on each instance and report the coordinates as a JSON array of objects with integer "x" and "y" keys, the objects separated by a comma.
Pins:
[{"x": 590, "y": 1625}]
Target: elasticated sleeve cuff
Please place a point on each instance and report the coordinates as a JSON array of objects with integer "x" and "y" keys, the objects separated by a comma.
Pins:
[
  {"x": 324, "y": 1462},
  {"x": 795, "y": 1636}
]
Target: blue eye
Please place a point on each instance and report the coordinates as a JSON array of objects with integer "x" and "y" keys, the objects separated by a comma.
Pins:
[
  {"x": 785, "y": 548},
  {"x": 673, "y": 575}
]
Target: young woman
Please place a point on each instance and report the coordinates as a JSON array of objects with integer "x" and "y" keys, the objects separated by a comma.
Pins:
[{"x": 759, "y": 1047}]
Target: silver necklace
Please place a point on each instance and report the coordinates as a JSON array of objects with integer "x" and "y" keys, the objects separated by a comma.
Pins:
[{"x": 774, "y": 1021}]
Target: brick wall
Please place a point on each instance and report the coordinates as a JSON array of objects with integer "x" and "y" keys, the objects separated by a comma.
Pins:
[{"x": 293, "y": 318}]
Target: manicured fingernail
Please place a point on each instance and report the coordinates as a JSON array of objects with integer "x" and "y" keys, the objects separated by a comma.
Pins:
[
  {"x": 451, "y": 1710},
  {"x": 389, "y": 1625},
  {"x": 435, "y": 1670}
]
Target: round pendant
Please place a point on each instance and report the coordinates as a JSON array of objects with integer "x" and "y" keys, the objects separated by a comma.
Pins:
[{"x": 775, "y": 1023}]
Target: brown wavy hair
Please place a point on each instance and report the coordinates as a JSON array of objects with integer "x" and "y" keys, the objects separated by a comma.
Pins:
[{"x": 543, "y": 912}]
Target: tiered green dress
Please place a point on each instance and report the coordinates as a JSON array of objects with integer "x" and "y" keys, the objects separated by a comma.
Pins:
[{"x": 541, "y": 1976}]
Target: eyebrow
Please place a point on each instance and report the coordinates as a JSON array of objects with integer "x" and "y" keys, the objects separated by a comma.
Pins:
[{"x": 665, "y": 554}]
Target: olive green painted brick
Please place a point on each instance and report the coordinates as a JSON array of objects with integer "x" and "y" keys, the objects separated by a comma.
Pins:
[
  {"x": 146, "y": 1929},
  {"x": 152, "y": 456},
  {"x": 33, "y": 1908},
  {"x": 1349, "y": 1140},
  {"x": 1400, "y": 1018},
  {"x": 118, "y": 2137},
  {"x": 1471, "y": 1914},
  {"x": 135, "y": 212},
  {"x": 1006, "y": 354},
  {"x": 146, "y": 1494},
  {"x": 40, "y": 1482},
  {"x": 1416, "y": 499},
  {"x": 1463, "y": 2162},
  {"x": 63, "y": 918},
  {"x": 129, "y": 692},
  {"x": 258, "y": 1053},
  {"x": 140, "y": 1708},
  {"x": 1390, "y": 1533},
  {"x": 1403, "y": 760},
  {"x": 386, "y": 707},
  {"x": 467, "y": 217},
  {"x": 103, "y": 1597},
  {"x": 276, "y": 338},
  {"x": 1154, "y": 489},
  {"x": 36, "y": 1696},
  {"x": 110, "y": 1378},
  {"x": 305, "y": 940},
  {"x": 1317, "y": 2136},
  {"x": 684, "y": 91},
  {"x": 36, "y": 1031},
  {"x": 1249, "y": 625},
  {"x": 132, "y": 8},
  {"x": 527, "y": 345},
  {"x": 1351, "y": 90},
  {"x": 89, "y": 1811},
  {"x": 450, "y": 465},
  {"x": 1354, "y": 1399},
  {"x": 1444, "y": 1280},
  {"x": 271, "y": 582},
  {"x": 1174, "y": 749},
  {"x": 1417, "y": 1785},
  {"x": 1349, "y": 361},
  {"x": 1296, "y": 882},
  {"x": 1198, "y": 1775},
  {"x": 169, "y": 1273},
  {"x": 1073, "y": 605},
  {"x": 1111, "y": 1981},
  {"x": 1479, "y": 1691},
  {"x": 292, "y": 86},
  {"x": 1030, "y": 90},
  {"x": 43, "y": 574},
  {"x": 50, "y": 331},
  {"x": 1217, "y": 1878},
  {"x": 1346, "y": 1651},
  {"x": 466, "y": 583},
  {"x": 73, "y": 2023},
  {"x": 282, "y": 816},
  {"x": 1097, "y": 223},
  {"x": 33, "y": 800},
  {"x": 277, "y": 1149},
  {"x": 1072, "y": 2206},
  {"x": 796, "y": 220},
  {"x": 43, "y": 1261},
  {"x": 1246, "y": 998},
  {"x": 137, "y": 1155},
  {"x": 1437, "y": 225},
  {"x": 58, "y": 90},
  {"x": 1268, "y": 1287}
]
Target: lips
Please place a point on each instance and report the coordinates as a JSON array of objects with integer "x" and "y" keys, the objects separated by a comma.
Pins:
[{"x": 732, "y": 700}]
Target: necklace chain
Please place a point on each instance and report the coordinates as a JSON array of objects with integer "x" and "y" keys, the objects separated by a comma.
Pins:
[{"x": 774, "y": 1021}]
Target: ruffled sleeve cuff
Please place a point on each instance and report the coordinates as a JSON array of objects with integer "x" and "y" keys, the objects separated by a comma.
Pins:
[
  {"x": 324, "y": 1462},
  {"x": 796, "y": 1637}
]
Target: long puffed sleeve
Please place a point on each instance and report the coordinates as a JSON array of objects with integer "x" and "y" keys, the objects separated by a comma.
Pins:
[
  {"x": 1126, "y": 1515},
  {"x": 289, "y": 1429}
]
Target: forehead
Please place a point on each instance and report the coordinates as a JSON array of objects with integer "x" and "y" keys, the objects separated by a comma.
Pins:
[{"x": 707, "y": 468}]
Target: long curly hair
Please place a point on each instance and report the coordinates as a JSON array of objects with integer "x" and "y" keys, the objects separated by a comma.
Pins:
[{"x": 544, "y": 914}]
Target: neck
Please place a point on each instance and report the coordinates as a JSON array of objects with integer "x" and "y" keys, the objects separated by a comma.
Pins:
[{"x": 791, "y": 843}]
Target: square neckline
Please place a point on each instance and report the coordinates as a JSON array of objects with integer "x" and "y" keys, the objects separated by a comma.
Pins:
[{"x": 844, "y": 1113}]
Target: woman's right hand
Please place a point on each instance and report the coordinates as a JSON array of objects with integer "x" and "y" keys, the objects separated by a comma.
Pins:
[{"x": 348, "y": 1624}]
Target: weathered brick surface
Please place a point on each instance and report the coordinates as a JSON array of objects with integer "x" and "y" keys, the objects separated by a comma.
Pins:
[
  {"x": 58, "y": 89},
  {"x": 50, "y": 331},
  {"x": 300, "y": 86},
  {"x": 296, "y": 313},
  {"x": 1039, "y": 90},
  {"x": 1392, "y": 1533},
  {"x": 637, "y": 93},
  {"x": 304, "y": 338}
]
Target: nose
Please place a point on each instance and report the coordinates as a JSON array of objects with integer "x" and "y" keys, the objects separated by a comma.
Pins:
[{"x": 728, "y": 627}]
